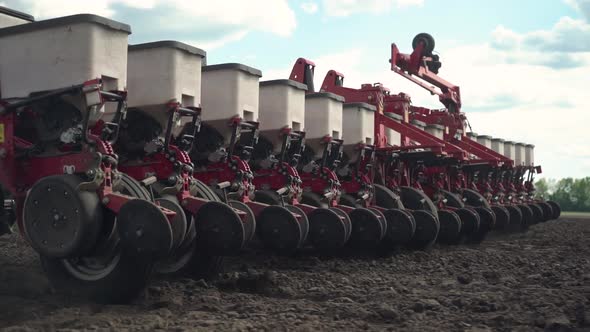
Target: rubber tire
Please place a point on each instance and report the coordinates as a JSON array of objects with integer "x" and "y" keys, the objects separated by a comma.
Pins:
[
  {"x": 537, "y": 213},
  {"x": 428, "y": 41},
  {"x": 547, "y": 211},
  {"x": 556, "y": 208},
  {"x": 120, "y": 286}
]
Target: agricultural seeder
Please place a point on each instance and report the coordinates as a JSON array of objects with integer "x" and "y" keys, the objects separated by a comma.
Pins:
[
  {"x": 433, "y": 155},
  {"x": 511, "y": 165},
  {"x": 121, "y": 160},
  {"x": 100, "y": 232}
]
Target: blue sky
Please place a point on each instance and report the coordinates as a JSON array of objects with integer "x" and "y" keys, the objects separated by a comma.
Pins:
[{"x": 522, "y": 65}]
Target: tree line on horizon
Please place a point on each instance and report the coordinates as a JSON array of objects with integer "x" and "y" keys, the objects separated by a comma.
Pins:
[{"x": 572, "y": 194}]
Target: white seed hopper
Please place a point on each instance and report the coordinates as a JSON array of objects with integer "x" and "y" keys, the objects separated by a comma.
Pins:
[
  {"x": 163, "y": 71},
  {"x": 472, "y": 136},
  {"x": 485, "y": 140},
  {"x": 229, "y": 90},
  {"x": 509, "y": 150},
  {"x": 393, "y": 137},
  {"x": 358, "y": 125},
  {"x": 418, "y": 124},
  {"x": 282, "y": 105},
  {"x": 529, "y": 154},
  {"x": 61, "y": 52},
  {"x": 498, "y": 145},
  {"x": 519, "y": 154},
  {"x": 323, "y": 116},
  {"x": 436, "y": 130}
]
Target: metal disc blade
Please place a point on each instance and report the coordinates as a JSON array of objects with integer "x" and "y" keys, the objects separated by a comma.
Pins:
[
  {"x": 367, "y": 230},
  {"x": 487, "y": 221},
  {"x": 345, "y": 219},
  {"x": 219, "y": 229},
  {"x": 249, "y": 222},
  {"x": 278, "y": 229},
  {"x": 450, "y": 227},
  {"x": 143, "y": 227},
  {"x": 401, "y": 227},
  {"x": 327, "y": 230},
  {"x": 382, "y": 219},
  {"x": 502, "y": 217},
  {"x": 515, "y": 218},
  {"x": 303, "y": 222},
  {"x": 470, "y": 221},
  {"x": 427, "y": 228},
  {"x": 178, "y": 223}
]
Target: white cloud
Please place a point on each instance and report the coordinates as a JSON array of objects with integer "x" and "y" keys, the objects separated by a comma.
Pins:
[
  {"x": 567, "y": 35},
  {"x": 582, "y": 6},
  {"x": 234, "y": 18},
  {"x": 309, "y": 7},
  {"x": 349, "y": 7}
]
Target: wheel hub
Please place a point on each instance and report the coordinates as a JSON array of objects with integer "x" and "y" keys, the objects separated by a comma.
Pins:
[{"x": 59, "y": 220}]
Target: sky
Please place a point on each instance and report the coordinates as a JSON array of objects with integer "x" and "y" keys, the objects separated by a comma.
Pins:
[{"x": 523, "y": 66}]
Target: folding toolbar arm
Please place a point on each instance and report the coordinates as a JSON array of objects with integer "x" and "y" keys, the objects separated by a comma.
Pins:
[{"x": 421, "y": 67}]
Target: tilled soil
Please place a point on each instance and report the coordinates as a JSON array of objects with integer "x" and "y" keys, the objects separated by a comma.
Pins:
[{"x": 533, "y": 281}]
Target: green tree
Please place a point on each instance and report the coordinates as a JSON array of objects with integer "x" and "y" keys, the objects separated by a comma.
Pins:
[{"x": 571, "y": 194}]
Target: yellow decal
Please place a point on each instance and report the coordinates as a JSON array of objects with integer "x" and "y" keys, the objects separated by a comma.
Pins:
[{"x": 1, "y": 132}]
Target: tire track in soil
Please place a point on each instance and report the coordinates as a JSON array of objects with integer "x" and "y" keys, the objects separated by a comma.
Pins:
[{"x": 537, "y": 280}]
